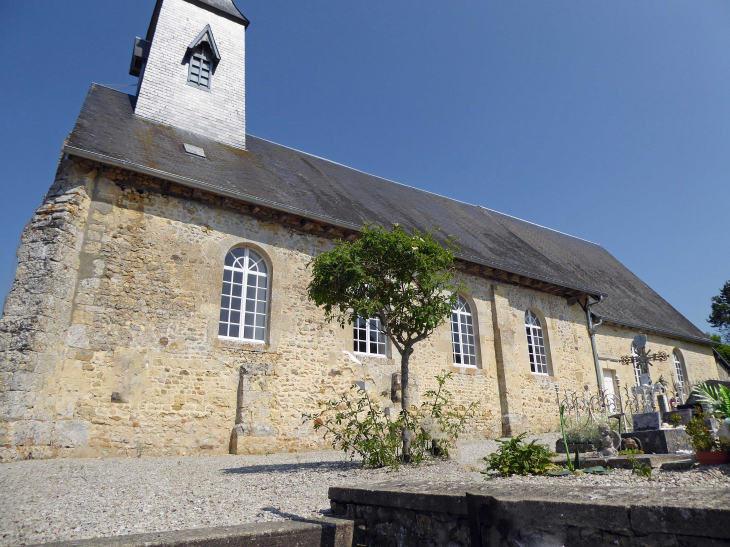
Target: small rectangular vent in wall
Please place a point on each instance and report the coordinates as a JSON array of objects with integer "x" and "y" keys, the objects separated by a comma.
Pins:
[{"x": 194, "y": 150}]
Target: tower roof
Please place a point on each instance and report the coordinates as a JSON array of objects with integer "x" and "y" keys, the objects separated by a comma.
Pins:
[{"x": 224, "y": 7}]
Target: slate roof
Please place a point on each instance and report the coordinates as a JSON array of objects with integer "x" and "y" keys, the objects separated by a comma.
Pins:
[
  {"x": 225, "y": 7},
  {"x": 290, "y": 180}
]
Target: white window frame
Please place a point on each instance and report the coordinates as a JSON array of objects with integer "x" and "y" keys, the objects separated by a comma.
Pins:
[
  {"x": 463, "y": 335},
  {"x": 245, "y": 267},
  {"x": 638, "y": 368},
  {"x": 539, "y": 363},
  {"x": 680, "y": 370},
  {"x": 370, "y": 334}
]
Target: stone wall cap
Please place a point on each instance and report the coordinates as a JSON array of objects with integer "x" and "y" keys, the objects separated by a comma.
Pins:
[{"x": 264, "y": 534}]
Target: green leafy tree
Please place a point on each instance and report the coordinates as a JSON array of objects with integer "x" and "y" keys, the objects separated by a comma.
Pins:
[
  {"x": 722, "y": 349},
  {"x": 405, "y": 280},
  {"x": 720, "y": 316}
]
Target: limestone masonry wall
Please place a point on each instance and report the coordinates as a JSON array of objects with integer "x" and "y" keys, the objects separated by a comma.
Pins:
[{"x": 109, "y": 345}]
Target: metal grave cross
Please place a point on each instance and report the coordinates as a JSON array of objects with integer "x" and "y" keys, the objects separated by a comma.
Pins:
[{"x": 643, "y": 357}]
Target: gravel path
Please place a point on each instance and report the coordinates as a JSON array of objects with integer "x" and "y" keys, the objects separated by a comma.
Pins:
[{"x": 72, "y": 499}]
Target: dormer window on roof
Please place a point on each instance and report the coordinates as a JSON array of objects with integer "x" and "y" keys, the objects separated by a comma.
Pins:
[{"x": 204, "y": 57}]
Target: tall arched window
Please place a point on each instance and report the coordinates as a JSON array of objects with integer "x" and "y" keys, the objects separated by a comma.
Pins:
[
  {"x": 244, "y": 297},
  {"x": 679, "y": 368},
  {"x": 536, "y": 343},
  {"x": 639, "y": 369},
  {"x": 462, "y": 334}
]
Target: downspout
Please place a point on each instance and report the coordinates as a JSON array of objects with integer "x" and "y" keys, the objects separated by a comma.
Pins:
[{"x": 592, "y": 332}]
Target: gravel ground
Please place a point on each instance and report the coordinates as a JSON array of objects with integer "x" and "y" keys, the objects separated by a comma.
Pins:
[{"x": 73, "y": 499}]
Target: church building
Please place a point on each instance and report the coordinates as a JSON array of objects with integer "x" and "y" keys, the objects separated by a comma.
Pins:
[{"x": 160, "y": 305}]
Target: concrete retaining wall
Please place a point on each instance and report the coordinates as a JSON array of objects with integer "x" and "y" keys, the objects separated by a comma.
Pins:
[
  {"x": 324, "y": 533},
  {"x": 432, "y": 515}
]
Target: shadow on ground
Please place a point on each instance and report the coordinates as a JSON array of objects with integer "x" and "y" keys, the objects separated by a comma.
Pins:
[{"x": 294, "y": 467}]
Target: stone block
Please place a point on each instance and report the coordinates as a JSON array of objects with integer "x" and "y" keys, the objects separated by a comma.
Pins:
[
  {"x": 253, "y": 445},
  {"x": 33, "y": 433},
  {"x": 662, "y": 441},
  {"x": 71, "y": 434},
  {"x": 647, "y": 420},
  {"x": 253, "y": 438}
]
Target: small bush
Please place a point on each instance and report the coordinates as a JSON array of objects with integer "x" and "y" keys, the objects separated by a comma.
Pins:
[
  {"x": 675, "y": 420},
  {"x": 585, "y": 431},
  {"x": 630, "y": 451},
  {"x": 515, "y": 457},
  {"x": 700, "y": 435},
  {"x": 638, "y": 469},
  {"x": 356, "y": 424}
]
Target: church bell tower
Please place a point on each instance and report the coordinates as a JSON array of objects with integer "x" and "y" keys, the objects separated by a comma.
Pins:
[{"x": 191, "y": 69}]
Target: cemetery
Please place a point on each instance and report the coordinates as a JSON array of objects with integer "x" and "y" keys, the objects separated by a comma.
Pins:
[{"x": 662, "y": 497}]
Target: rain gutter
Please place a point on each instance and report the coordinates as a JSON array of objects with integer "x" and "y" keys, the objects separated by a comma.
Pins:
[{"x": 592, "y": 332}]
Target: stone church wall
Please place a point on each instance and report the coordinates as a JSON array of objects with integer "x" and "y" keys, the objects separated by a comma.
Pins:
[{"x": 109, "y": 347}]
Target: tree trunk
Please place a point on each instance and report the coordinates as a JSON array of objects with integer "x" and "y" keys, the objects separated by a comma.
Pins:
[{"x": 405, "y": 398}]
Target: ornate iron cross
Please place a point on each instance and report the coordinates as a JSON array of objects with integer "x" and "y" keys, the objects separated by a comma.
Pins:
[{"x": 643, "y": 356}]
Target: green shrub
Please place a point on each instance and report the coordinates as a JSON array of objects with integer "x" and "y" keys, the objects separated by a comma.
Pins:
[
  {"x": 675, "y": 420},
  {"x": 630, "y": 451},
  {"x": 515, "y": 457},
  {"x": 583, "y": 433},
  {"x": 638, "y": 469},
  {"x": 356, "y": 424},
  {"x": 699, "y": 434}
]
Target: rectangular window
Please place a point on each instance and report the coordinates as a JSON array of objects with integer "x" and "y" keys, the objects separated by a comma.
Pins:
[
  {"x": 200, "y": 67},
  {"x": 368, "y": 337}
]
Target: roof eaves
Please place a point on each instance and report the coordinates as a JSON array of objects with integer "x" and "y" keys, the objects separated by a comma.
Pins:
[
  {"x": 87, "y": 154},
  {"x": 124, "y": 164},
  {"x": 592, "y": 292}
]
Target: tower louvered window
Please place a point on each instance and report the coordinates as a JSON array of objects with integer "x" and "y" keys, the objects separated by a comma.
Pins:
[{"x": 200, "y": 67}]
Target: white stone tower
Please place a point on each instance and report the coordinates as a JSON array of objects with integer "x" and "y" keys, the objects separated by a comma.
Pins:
[{"x": 192, "y": 69}]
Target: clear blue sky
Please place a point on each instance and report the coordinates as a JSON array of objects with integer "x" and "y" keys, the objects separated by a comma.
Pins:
[{"x": 606, "y": 120}]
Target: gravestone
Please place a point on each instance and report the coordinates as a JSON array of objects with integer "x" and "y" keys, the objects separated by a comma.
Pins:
[{"x": 654, "y": 439}]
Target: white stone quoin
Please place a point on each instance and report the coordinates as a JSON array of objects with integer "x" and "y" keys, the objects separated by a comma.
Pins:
[{"x": 164, "y": 95}]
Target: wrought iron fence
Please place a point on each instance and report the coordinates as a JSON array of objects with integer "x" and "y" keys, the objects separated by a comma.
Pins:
[{"x": 586, "y": 406}]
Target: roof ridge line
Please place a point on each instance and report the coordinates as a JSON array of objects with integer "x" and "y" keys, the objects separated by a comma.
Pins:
[
  {"x": 539, "y": 225},
  {"x": 419, "y": 189}
]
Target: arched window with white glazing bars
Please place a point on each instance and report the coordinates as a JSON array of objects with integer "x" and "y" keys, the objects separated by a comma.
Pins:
[
  {"x": 639, "y": 369},
  {"x": 679, "y": 368},
  {"x": 536, "y": 343},
  {"x": 462, "y": 334},
  {"x": 244, "y": 298}
]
